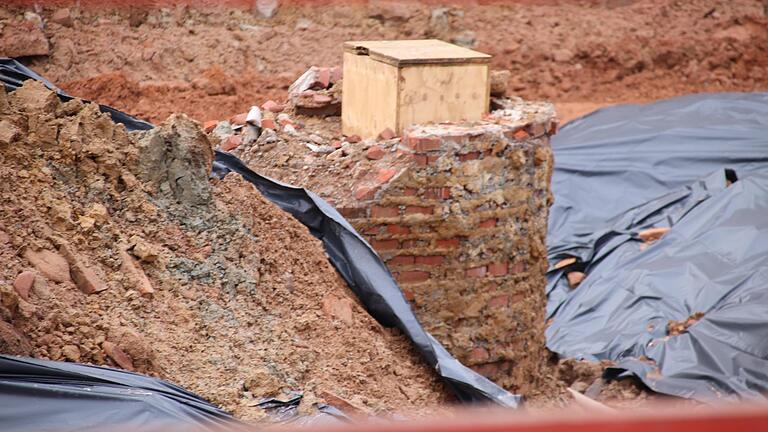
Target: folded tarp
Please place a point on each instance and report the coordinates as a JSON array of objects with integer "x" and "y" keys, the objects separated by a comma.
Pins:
[
  {"x": 349, "y": 253},
  {"x": 697, "y": 165}
]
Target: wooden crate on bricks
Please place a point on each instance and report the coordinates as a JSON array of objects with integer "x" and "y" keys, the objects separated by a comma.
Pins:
[{"x": 395, "y": 84}]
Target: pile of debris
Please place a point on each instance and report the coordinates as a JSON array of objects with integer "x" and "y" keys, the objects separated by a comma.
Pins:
[{"x": 120, "y": 251}]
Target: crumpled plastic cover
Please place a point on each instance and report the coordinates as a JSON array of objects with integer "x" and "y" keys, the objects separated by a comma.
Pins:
[
  {"x": 698, "y": 165},
  {"x": 349, "y": 253},
  {"x": 42, "y": 395}
]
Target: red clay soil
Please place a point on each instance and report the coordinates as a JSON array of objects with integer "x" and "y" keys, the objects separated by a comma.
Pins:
[{"x": 580, "y": 54}]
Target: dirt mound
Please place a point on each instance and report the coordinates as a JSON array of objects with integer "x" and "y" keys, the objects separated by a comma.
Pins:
[
  {"x": 565, "y": 51},
  {"x": 214, "y": 94},
  {"x": 118, "y": 250}
]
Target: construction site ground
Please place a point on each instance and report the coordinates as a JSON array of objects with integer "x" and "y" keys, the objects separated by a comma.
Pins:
[{"x": 233, "y": 259}]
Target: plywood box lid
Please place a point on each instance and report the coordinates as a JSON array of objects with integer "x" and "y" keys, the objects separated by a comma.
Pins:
[{"x": 415, "y": 52}]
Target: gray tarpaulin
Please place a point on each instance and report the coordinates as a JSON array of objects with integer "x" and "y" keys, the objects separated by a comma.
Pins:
[{"x": 696, "y": 164}]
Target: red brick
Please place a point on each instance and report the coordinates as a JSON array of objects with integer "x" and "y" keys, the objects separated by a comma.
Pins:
[
  {"x": 408, "y": 294},
  {"x": 23, "y": 284},
  {"x": 476, "y": 272},
  {"x": 374, "y": 153},
  {"x": 536, "y": 129},
  {"x": 336, "y": 144},
  {"x": 118, "y": 355},
  {"x": 272, "y": 106},
  {"x": 210, "y": 125},
  {"x": 423, "y": 144},
  {"x": 239, "y": 119},
  {"x": 498, "y": 269},
  {"x": 488, "y": 223},
  {"x": 420, "y": 160},
  {"x": 398, "y": 230},
  {"x": 353, "y": 139},
  {"x": 413, "y": 276},
  {"x": 518, "y": 267},
  {"x": 337, "y": 73},
  {"x": 268, "y": 124},
  {"x": 382, "y": 245},
  {"x": 499, "y": 301},
  {"x": 83, "y": 276},
  {"x": 52, "y": 265},
  {"x": 478, "y": 355},
  {"x": 408, "y": 244},
  {"x": 451, "y": 243},
  {"x": 63, "y": 17},
  {"x": 401, "y": 260},
  {"x": 469, "y": 156},
  {"x": 380, "y": 211},
  {"x": 553, "y": 128},
  {"x": 322, "y": 99},
  {"x": 374, "y": 230},
  {"x": 419, "y": 210},
  {"x": 230, "y": 143},
  {"x": 387, "y": 134},
  {"x": 432, "y": 159},
  {"x": 352, "y": 212},
  {"x": 385, "y": 175},
  {"x": 437, "y": 193},
  {"x": 431, "y": 260},
  {"x": 519, "y": 134},
  {"x": 410, "y": 191},
  {"x": 365, "y": 192},
  {"x": 322, "y": 78}
]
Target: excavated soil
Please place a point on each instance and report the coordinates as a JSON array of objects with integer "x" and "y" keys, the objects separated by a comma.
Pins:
[
  {"x": 118, "y": 250},
  {"x": 579, "y": 54}
]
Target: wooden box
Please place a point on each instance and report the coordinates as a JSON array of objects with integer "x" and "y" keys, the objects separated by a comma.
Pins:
[{"x": 394, "y": 84}]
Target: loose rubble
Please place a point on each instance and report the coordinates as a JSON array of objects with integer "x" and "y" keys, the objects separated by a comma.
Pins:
[{"x": 120, "y": 251}]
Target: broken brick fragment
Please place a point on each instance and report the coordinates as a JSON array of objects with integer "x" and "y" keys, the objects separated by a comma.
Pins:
[
  {"x": 210, "y": 125},
  {"x": 84, "y": 277},
  {"x": 374, "y": 153},
  {"x": 385, "y": 175},
  {"x": 118, "y": 355},
  {"x": 272, "y": 106},
  {"x": 268, "y": 123},
  {"x": 23, "y": 283},
  {"x": 230, "y": 143},
  {"x": 387, "y": 134},
  {"x": 51, "y": 264},
  {"x": 337, "y": 74},
  {"x": 575, "y": 278},
  {"x": 239, "y": 119}
]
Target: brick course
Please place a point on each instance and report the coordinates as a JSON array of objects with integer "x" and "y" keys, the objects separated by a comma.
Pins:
[{"x": 465, "y": 225}]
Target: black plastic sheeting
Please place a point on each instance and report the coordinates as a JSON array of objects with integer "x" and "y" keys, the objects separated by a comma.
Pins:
[
  {"x": 696, "y": 164},
  {"x": 355, "y": 260},
  {"x": 41, "y": 395}
]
